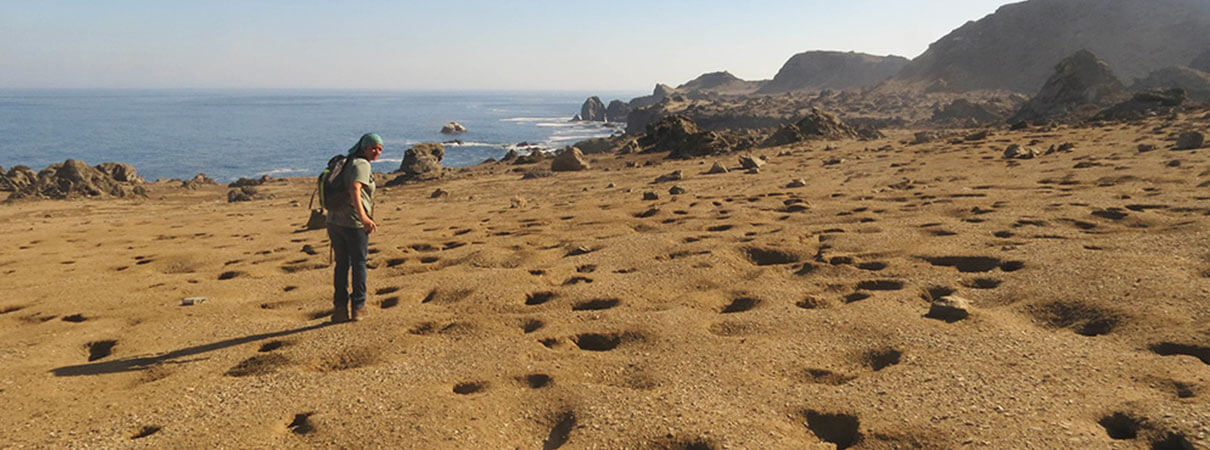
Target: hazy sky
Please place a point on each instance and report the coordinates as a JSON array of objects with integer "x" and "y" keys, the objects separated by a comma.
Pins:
[{"x": 455, "y": 45}]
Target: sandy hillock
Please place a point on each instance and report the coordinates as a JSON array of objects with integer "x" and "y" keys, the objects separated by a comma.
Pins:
[
  {"x": 1016, "y": 47},
  {"x": 817, "y": 70}
]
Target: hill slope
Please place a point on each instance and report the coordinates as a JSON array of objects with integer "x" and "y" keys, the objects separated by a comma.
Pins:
[
  {"x": 1016, "y": 47},
  {"x": 833, "y": 70}
]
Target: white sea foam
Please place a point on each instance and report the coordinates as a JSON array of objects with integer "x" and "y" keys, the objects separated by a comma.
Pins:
[
  {"x": 284, "y": 171},
  {"x": 470, "y": 144},
  {"x": 575, "y": 137},
  {"x": 533, "y": 119}
]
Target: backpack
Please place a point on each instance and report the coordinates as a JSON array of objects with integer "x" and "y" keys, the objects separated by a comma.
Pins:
[
  {"x": 331, "y": 187},
  {"x": 333, "y": 183}
]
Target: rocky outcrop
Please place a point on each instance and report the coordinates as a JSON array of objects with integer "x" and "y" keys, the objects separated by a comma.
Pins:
[
  {"x": 453, "y": 128},
  {"x": 681, "y": 138},
  {"x": 1201, "y": 62},
  {"x": 617, "y": 111},
  {"x": 816, "y": 70},
  {"x": 1195, "y": 83},
  {"x": 74, "y": 179},
  {"x": 1016, "y": 47},
  {"x": 815, "y": 125},
  {"x": 719, "y": 83},
  {"x": 965, "y": 113},
  {"x": 422, "y": 162},
  {"x": 17, "y": 178},
  {"x": 570, "y": 159},
  {"x": 198, "y": 181},
  {"x": 1145, "y": 104},
  {"x": 1081, "y": 86},
  {"x": 247, "y": 194},
  {"x": 120, "y": 172},
  {"x": 593, "y": 110},
  {"x": 661, "y": 92}
]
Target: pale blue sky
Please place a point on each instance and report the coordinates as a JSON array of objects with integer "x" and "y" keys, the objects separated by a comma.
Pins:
[{"x": 458, "y": 45}]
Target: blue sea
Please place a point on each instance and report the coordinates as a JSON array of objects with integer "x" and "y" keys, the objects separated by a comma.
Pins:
[{"x": 228, "y": 134}]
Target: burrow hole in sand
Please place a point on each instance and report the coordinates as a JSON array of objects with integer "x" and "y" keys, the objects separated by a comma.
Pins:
[{"x": 843, "y": 430}]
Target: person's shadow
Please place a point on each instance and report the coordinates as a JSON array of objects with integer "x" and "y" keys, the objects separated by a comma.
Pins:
[{"x": 145, "y": 362}]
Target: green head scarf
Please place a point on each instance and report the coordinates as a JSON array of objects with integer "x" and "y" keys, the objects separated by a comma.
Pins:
[{"x": 367, "y": 140}]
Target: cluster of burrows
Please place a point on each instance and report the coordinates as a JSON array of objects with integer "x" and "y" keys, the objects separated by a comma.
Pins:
[{"x": 1123, "y": 426}]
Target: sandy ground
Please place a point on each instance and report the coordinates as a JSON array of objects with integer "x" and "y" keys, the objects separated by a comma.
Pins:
[{"x": 568, "y": 312}]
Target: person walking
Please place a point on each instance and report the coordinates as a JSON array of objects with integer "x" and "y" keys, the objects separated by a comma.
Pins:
[{"x": 350, "y": 223}]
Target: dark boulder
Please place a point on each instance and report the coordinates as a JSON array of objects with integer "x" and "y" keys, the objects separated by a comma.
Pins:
[
  {"x": 1081, "y": 86},
  {"x": 965, "y": 113},
  {"x": 120, "y": 172},
  {"x": 1190, "y": 140},
  {"x": 815, "y": 125},
  {"x": 593, "y": 110},
  {"x": 246, "y": 194},
  {"x": 197, "y": 182},
  {"x": 453, "y": 128},
  {"x": 570, "y": 159},
  {"x": 1144, "y": 104},
  {"x": 617, "y": 111},
  {"x": 422, "y": 162},
  {"x": 681, "y": 138},
  {"x": 1195, "y": 83}
]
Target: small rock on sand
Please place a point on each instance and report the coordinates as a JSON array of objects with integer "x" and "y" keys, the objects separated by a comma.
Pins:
[
  {"x": 677, "y": 190},
  {"x": 716, "y": 168},
  {"x": 1190, "y": 140},
  {"x": 797, "y": 183},
  {"x": 674, "y": 176},
  {"x": 649, "y": 196},
  {"x": 751, "y": 162},
  {"x": 950, "y": 308}
]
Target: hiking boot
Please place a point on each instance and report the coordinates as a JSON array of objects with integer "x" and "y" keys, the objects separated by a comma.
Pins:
[
  {"x": 358, "y": 314},
  {"x": 340, "y": 314}
]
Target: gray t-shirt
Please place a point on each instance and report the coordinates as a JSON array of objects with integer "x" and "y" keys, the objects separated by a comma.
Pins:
[{"x": 344, "y": 213}]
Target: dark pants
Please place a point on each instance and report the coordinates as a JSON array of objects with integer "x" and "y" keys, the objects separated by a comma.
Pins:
[{"x": 350, "y": 246}]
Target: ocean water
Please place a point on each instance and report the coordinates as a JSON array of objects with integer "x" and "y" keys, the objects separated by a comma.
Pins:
[{"x": 228, "y": 134}]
